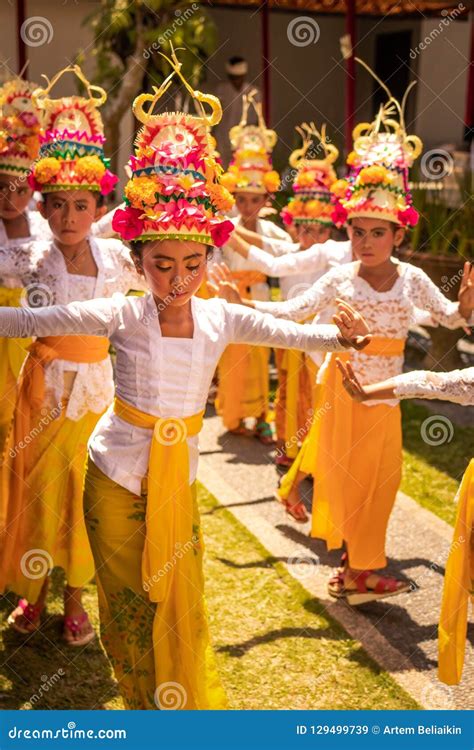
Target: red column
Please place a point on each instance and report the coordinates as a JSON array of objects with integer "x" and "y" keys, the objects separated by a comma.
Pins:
[
  {"x": 264, "y": 14},
  {"x": 469, "y": 116},
  {"x": 21, "y": 47},
  {"x": 350, "y": 74}
]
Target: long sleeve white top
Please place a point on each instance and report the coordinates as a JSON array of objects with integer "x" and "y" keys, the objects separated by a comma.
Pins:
[
  {"x": 38, "y": 230},
  {"x": 388, "y": 314},
  {"x": 456, "y": 386},
  {"x": 40, "y": 268},
  {"x": 162, "y": 376}
]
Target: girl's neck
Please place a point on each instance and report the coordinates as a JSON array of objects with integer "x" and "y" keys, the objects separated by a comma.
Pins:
[
  {"x": 381, "y": 277},
  {"x": 175, "y": 321},
  {"x": 78, "y": 257},
  {"x": 250, "y": 224},
  {"x": 17, "y": 227}
]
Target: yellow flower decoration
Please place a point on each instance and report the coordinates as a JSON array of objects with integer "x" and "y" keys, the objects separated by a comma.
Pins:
[
  {"x": 295, "y": 207},
  {"x": 89, "y": 168},
  {"x": 46, "y": 169},
  {"x": 304, "y": 179},
  {"x": 352, "y": 159},
  {"x": 3, "y": 143},
  {"x": 339, "y": 188},
  {"x": 220, "y": 197},
  {"x": 313, "y": 208},
  {"x": 271, "y": 180},
  {"x": 229, "y": 180},
  {"x": 141, "y": 191},
  {"x": 374, "y": 174}
]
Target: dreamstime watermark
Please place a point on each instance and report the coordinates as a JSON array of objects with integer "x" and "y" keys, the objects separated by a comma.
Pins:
[
  {"x": 36, "y": 31},
  {"x": 36, "y": 563},
  {"x": 46, "y": 684},
  {"x": 180, "y": 19},
  {"x": 303, "y": 31},
  {"x": 450, "y": 281},
  {"x": 437, "y": 430},
  {"x": 301, "y": 432},
  {"x": 170, "y": 431},
  {"x": 434, "y": 33},
  {"x": 180, "y": 551},
  {"x": 436, "y": 164},
  {"x": 47, "y": 417},
  {"x": 303, "y": 567},
  {"x": 37, "y": 295},
  {"x": 170, "y": 696},
  {"x": 437, "y": 697}
]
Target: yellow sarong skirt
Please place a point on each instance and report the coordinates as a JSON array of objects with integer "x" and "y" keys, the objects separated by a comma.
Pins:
[
  {"x": 12, "y": 355},
  {"x": 42, "y": 477},
  {"x": 354, "y": 453},
  {"x": 295, "y": 398},
  {"x": 143, "y": 637},
  {"x": 243, "y": 386},
  {"x": 458, "y": 586}
]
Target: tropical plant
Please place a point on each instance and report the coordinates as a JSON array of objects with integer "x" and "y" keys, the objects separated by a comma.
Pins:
[{"x": 128, "y": 39}]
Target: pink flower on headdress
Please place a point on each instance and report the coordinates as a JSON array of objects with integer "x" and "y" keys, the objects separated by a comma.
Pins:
[
  {"x": 339, "y": 215},
  {"x": 28, "y": 119},
  {"x": 107, "y": 182},
  {"x": 409, "y": 217},
  {"x": 221, "y": 231},
  {"x": 127, "y": 223},
  {"x": 33, "y": 182}
]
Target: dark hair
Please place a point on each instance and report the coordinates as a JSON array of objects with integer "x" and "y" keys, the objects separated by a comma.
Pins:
[
  {"x": 236, "y": 60},
  {"x": 137, "y": 245},
  {"x": 393, "y": 225}
]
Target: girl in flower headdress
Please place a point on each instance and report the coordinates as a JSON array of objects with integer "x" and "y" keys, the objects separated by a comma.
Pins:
[
  {"x": 243, "y": 371},
  {"x": 354, "y": 451},
  {"x": 140, "y": 506},
  {"x": 66, "y": 382}
]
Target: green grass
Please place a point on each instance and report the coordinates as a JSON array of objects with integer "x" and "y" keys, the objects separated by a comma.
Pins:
[
  {"x": 431, "y": 473},
  {"x": 276, "y": 648}
]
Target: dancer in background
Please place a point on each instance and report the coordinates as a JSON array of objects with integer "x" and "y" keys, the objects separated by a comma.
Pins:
[{"x": 66, "y": 382}]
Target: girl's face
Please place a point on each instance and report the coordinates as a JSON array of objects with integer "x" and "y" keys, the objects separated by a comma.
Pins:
[
  {"x": 15, "y": 194},
  {"x": 173, "y": 269},
  {"x": 373, "y": 240},
  {"x": 70, "y": 214},
  {"x": 249, "y": 204},
  {"x": 312, "y": 234}
]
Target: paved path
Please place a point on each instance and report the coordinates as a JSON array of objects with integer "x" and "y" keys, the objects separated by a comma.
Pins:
[{"x": 401, "y": 633}]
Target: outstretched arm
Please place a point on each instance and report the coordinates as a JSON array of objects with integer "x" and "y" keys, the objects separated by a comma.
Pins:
[
  {"x": 97, "y": 317},
  {"x": 456, "y": 386}
]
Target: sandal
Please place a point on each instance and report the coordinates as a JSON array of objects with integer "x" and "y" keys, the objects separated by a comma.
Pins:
[
  {"x": 73, "y": 627},
  {"x": 30, "y": 613},
  {"x": 386, "y": 586},
  {"x": 281, "y": 459},
  {"x": 264, "y": 433},
  {"x": 296, "y": 510},
  {"x": 242, "y": 430}
]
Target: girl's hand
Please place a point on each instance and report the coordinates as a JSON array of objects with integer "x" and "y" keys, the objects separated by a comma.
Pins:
[
  {"x": 352, "y": 326},
  {"x": 350, "y": 382},
  {"x": 221, "y": 284},
  {"x": 466, "y": 291}
]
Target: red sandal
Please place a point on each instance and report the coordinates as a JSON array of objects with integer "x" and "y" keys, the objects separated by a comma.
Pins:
[
  {"x": 74, "y": 626},
  {"x": 386, "y": 586},
  {"x": 31, "y": 614}
]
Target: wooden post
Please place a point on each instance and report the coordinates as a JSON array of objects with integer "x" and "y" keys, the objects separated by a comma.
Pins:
[
  {"x": 264, "y": 14},
  {"x": 21, "y": 47},
  {"x": 350, "y": 74}
]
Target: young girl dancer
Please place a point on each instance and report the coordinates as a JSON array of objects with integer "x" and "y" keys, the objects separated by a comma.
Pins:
[
  {"x": 457, "y": 386},
  {"x": 140, "y": 507},
  {"x": 354, "y": 452},
  {"x": 66, "y": 383}
]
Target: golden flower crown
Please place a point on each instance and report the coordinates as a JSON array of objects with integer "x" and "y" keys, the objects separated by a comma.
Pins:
[
  {"x": 19, "y": 127},
  {"x": 314, "y": 176},
  {"x": 174, "y": 191},
  {"x": 377, "y": 183},
  {"x": 250, "y": 170},
  {"x": 72, "y": 140}
]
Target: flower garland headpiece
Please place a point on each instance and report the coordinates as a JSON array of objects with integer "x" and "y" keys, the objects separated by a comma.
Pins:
[{"x": 19, "y": 127}]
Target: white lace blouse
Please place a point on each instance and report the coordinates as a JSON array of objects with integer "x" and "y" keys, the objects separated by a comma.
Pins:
[
  {"x": 38, "y": 230},
  {"x": 388, "y": 314},
  {"x": 457, "y": 385},
  {"x": 160, "y": 376},
  {"x": 40, "y": 268}
]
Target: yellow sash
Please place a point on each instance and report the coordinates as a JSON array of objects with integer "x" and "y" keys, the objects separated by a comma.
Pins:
[
  {"x": 31, "y": 390},
  {"x": 12, "y": 351},
  {"x": 333, "y": 411},
  {"x": 458, "y": 586},
  {"x": 171, "y": 562}
]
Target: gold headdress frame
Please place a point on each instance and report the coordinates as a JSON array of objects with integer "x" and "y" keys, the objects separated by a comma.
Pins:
[
  {"x": 40, "y": 97},
  {"x": 308, "y": 131},
  {"x": 148, "y": 118},
  {"x": 364, "y": 131},
  {"x": 269, "y": 134}
]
